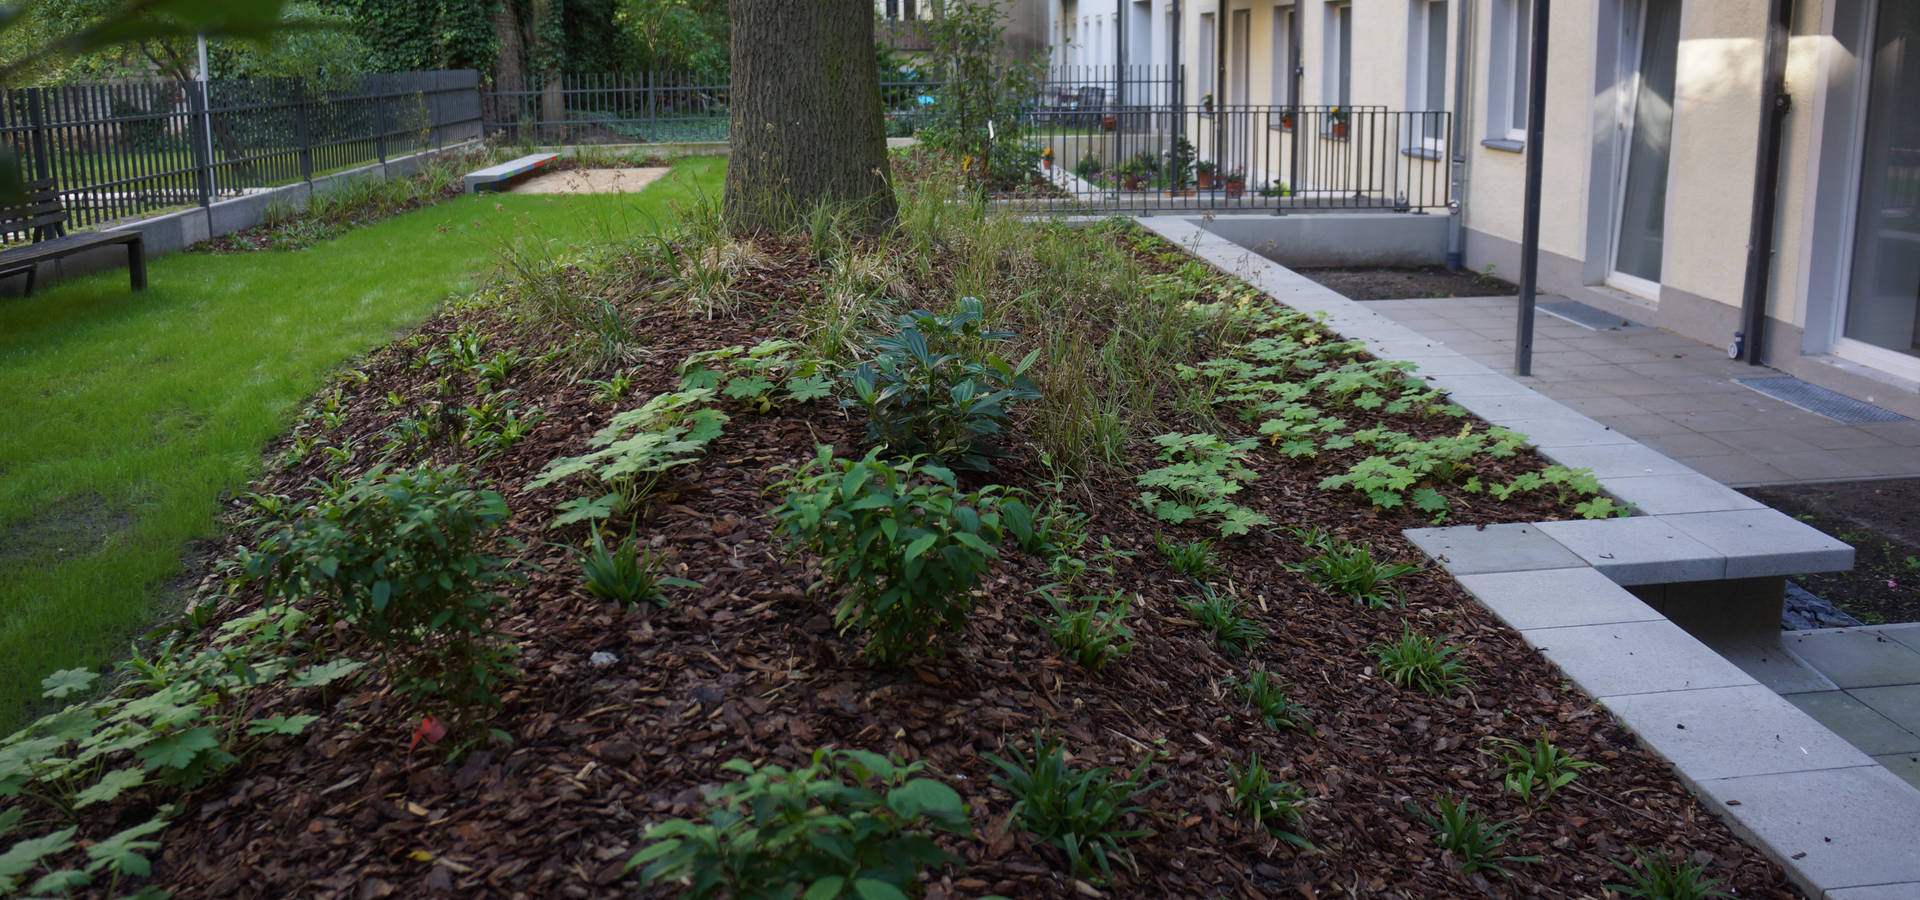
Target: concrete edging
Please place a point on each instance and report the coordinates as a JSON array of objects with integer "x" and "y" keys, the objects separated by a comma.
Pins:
[{"x": 1840, "y": 824}]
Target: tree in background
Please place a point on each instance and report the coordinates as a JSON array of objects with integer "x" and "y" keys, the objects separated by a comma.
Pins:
[
  {"x": 689, "y": 36},
  {"x": 805, "y": 118},
  {"x": 980, "y": 88},
  {"x": 305, "y": 41}
]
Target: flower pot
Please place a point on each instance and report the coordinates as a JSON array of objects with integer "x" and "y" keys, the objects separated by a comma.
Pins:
[
  {"x": 1236, "y": 187},
  {"x": 1136, "y": 182},
  {"x": 1339, "y": 129},
  {"x": 1106, "y": 123},
  {"x": 1286, "y": 121},
  {"x": 1206, "y": 181},
  {"x": 1046, "y": 165}
]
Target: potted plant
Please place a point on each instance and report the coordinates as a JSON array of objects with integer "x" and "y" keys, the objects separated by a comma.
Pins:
[
  {"x": 1204, "y": 170},
  {"x": 1236, "y": 182},
  {"x": 1286, "y": 121},
  {"x": 1277, "y": 189},
  {"x": 1137, "y": 169},
  {"x": 1206, "y": 103},
  {"x": 1337, "y": 123},
  {"x": 1046, "y": 159},
  {"x": 1107, "y": 122}
]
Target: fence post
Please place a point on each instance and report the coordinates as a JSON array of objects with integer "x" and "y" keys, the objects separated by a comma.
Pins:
[
  {"x": 42, "y": 166},
  {"x": 380, "y": 125},
  {"x": 304, "y": 131},
  {"x": 202, "y": 156}
]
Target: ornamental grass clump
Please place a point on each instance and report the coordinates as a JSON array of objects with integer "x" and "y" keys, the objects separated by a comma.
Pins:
[{"x": 903, "y": 542}]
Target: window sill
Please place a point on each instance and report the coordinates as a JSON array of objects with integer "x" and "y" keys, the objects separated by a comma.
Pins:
[
  {"x": 1423, "y": 153},
  {"x": 1504, "y": 144}
]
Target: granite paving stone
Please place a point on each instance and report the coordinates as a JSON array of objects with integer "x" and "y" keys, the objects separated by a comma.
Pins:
[
  {"x": 1634, "y": 658},
  {"x": 1659, "y": 495},
  {"x": 1556, "y": 598},
  {"x": 1467, "y": 549},
  {"x": 1733, "y": 731},
  {"x": 1859, "y": 723},
  {"x": 1855, "y": 657},
  {"x": 1900, "y": 703},
  {"x": 1763, "y": 542},
  {"x": 1799, "y": 815},
  {"x": 1639, "y": 550}
]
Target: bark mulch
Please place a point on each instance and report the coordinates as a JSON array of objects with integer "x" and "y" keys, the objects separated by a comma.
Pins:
[{"x": 748, "y": 665}]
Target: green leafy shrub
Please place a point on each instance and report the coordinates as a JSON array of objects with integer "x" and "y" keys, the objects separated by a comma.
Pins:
[
  {"x": 847, "y": 824},
  {"x": 924, "y": 395},
  {"x": 626, "y": 574},
  {"x": 634, "y": 452},
  {"x": 1538, "y": 767},
  {"x": 1348, "y": 569},
  {"x": 1224, "y": 615},
  {"x": 1421, "y": 663},
  {"x": 1272, "y": 805},
  {"x": 1077, "y": 811},
  {"x": 1047, "y": 531},
  {"x": 1656, "y": 875},
  {"x": 1268, "y": 696},
  {"x": 1474, "y": 841},
  {"x": 772, "y": 370},
  {"x": 1202, "y": 471},
  {"x": 903, "y": 542},
  {"x": 399, "y": 552},
  {"x": 1093, "y": 632}
]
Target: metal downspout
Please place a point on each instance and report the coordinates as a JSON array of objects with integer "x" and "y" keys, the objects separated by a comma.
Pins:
[
  {"x": 1462, "y": 162},
  {"x": 1750, "y": 341}
]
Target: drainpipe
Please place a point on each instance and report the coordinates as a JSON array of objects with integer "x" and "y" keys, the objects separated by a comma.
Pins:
[
  {"x": 1462, "y": 74},
  {"x": 1774, "y": 103}
]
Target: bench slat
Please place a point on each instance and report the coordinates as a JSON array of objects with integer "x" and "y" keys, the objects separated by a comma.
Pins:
[{"x": 65, "y": 246}]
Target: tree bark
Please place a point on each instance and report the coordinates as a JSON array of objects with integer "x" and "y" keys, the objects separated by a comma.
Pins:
[
  {"x": 806, "y": 124},
  {"x": 507, "y": 72}
]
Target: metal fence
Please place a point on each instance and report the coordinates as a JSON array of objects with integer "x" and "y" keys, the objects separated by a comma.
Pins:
[
  {"x": 1276, "y": 158},
  {"x": 659, "y": 107},
  {"x": 128, "y": 149}
]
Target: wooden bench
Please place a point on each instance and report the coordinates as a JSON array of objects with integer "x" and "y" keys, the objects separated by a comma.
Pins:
[
  {"x": 44, "y": 217},
  {"x": 494, "y": 178}
]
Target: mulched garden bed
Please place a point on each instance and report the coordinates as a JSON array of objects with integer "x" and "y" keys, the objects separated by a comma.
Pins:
[{"x": 748, "y": 665}]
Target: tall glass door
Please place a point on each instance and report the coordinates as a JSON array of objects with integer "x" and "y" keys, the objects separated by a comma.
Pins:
[
  {"x": 1640, "y": 220},
  {"x": 1883, "y": 294}
]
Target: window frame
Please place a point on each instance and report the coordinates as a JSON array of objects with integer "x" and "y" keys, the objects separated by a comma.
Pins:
[
  {"x": 1509, "y": 77},
  {"x": 1422, "y": 31}
]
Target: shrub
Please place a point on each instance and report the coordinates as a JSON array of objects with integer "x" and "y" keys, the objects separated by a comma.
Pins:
[
  {"x": 1268, "y": 697},
  {"x": 1272, "y": 805},
  {"x": 1202, "y": 471},
  {"x": 1472, "y": 840},
  {"x": 1093, "y": 633},
  {"x": 626, "y": 574},
  {"x": 1659, "y": 876},
  {"x": 399, "y": 552},
  {"x": 1539, "y": 766},
  {"x": 1047, "y": 531},
  {"x": 1348, "y": 569},
  {"x": 1421, "y": 663},
  {"x": 847, "y": 824},
  {"x": 1077, "y": 811},
  {"x": 923, "y": 396},
  {"x": 905, "y": 544},
  {"x": 635, "y": 451}
]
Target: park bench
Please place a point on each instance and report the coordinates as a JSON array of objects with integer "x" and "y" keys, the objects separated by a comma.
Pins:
[
  {"x": 43, "y": 217},
  {"x": 493, "y": 178}
]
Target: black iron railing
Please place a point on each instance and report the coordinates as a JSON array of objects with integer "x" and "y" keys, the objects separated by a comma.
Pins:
[{"x": 128, "y": 149}]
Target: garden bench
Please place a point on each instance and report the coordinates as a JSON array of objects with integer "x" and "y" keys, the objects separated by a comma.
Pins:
[
  {"x": 42, "y": 216},
  {"x": 493, "y": 178}
]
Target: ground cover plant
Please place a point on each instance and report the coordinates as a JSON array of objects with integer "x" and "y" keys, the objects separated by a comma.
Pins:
[{"x": 1155, "y": 773}]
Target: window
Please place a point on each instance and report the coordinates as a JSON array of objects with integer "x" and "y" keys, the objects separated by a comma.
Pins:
[
  {"x": 1427, "y": 73},
  {"x": 1286, "y": 58},
  {"x": 1507, "y": 86},
  {"x": 1204, "y": 58},
  {"x": 1338, "y": 89},
  {"x": 897, "y": 10}
]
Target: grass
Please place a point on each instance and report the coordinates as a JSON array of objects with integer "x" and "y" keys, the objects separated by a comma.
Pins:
[{"x": 130, "y": 415}]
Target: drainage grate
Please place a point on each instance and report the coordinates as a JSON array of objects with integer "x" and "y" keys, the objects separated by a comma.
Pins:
[
  {"x": 1838, "y": 407},
  {"x": 1587, "y": 316}
]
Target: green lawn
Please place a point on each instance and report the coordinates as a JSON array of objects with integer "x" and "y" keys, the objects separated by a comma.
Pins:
[{"x": 128, "y": 416}]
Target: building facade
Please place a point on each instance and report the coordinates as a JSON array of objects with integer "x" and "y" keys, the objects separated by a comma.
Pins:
[{"x": 1653, "y": 140}]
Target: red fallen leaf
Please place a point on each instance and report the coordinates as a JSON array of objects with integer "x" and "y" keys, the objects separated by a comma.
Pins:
[{"x": 431, "y": 729}]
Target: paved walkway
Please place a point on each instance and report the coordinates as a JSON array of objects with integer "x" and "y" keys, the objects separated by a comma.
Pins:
[
  {"x": 1679, "y": 396},
  {"x": 1671, "y": 393}
]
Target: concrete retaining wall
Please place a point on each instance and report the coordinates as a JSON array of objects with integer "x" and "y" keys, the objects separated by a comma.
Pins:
[{"x": 1338, "y": 239}]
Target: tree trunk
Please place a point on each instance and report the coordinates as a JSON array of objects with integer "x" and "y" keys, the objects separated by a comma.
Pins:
[
  {"x": 806, "y": 121},
  {"x": 549, "y": 62},
  {"x": 507, "y": 72}
]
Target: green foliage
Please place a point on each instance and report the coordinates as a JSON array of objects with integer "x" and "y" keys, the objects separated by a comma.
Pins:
[
  {"x": 1268, "y": 697},
  {"x": 980, "y": 86},
  {"x": 1348, "y": 569},
  {"x": 1473, "y": 841},
  {"x": 634, "y": 452},
  {"x": 1539, "y": 767},
  {"x": 1194, "y": 559},
  {"x": 906, "y": 546},
  {"x": 763, "y": 377},
  {"x": 1093, "y": 631},
  {"x": 925, "y": 394},
  {"x": 847, "y": 824},
  {"x": 1272, "y": 805},
  {"x": 627, "y": 575},
  {"x": 1202, "y": 471},
  {"x": 1656, "y": 875},
  {"x": 399, "y": 553},
  {"x": 1418, "y": 662},
  {"x": 1078, "y": 811},
  {"x": 1050, "y": 531},
  {"x": 1223, "y": 614}
]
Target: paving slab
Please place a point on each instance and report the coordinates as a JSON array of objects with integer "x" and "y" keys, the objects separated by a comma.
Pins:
[
  {"x": 1733, "y": 731},
  {"x": 1831, "y": 828},
  {"x": 1900, "y": 703},
  {"x": 1872, "y": 732},
  {"x": 1763, "y": 657},
  {"x": 1556, "y": 598},
  {"x": 1904, "y": 891},
  {"x": 1660, "y": 495},
  {"x": 1610, "y": 461},
  {"x": 1563, "y": 432},
  {"x": 1905, "y": 765},
  {"x": 1855, "y": 657},
  {"x": 1503, "y": 409},
  {"x": 1762, "y": 542},
  {"x": 1640, "y": 550},
  {"x": 1624, "y": 658},
  {"x": 1469, "y": 549},
  {"x": 1907, "y": 633}
]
